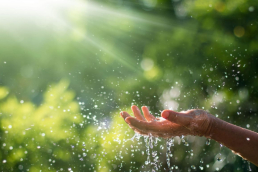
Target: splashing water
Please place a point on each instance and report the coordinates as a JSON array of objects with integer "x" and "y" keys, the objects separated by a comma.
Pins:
[
  {"x": 153, "y": 159},
  {"x": 170, "y": 142},
  {"x": 154, "y": 153},
  {"x": 149, "y": 141},
  {"x": 136, "y": 136},
  {"x": 147, "y": 144}
]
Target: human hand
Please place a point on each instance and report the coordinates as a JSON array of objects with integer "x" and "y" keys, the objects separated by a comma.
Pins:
[{"x": 192, "y": 122}]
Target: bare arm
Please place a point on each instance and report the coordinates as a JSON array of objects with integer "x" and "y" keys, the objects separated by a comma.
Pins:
[{"x": 241, "y": 141}]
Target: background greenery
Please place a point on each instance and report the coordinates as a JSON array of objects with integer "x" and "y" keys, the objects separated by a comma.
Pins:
[{"x": 67, "y": 68}]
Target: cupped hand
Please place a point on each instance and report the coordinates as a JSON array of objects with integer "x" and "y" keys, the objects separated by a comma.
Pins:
[{"x": 192, "y": 122}]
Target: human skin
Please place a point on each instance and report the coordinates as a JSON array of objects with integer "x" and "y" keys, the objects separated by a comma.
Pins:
[{"x": 195, "y": 122}]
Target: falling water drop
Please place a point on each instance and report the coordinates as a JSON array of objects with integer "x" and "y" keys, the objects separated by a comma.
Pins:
[
  {"x": 186, "y": 144},
  {"x": 151, "y": 141},
  {"x": 183, "y": 138},
  {"x": 208, "y": 141},
  {"x": 249, "y": 166},
  {"x": 193, "y": 167},
  {"x": 156, "y": 139}
]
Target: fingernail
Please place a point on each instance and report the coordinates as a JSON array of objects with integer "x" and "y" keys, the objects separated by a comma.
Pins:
[
  {"x": 122, "y": 114},
  {"x": 165, "y": 114}
]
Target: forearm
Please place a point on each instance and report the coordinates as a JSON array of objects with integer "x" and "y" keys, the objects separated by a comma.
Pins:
[{"x": 242, "y": 141}]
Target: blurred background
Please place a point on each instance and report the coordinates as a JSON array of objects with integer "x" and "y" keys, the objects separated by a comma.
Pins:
[{"x": 68, "y": 67}]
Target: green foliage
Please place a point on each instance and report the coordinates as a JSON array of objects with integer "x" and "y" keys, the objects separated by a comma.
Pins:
[{"x": 32, "y": 135}]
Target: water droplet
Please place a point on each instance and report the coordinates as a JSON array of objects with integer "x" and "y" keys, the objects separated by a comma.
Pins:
[
  {"x": 156, "y": 141},
  {"x": 186, "y": 144},
  {"x": 249, "y": 166},
  {"x": 208, "y": 141},
  {"x": 151, "y": 141},
  {"x": 193, "y": 167},
  {"x": 154, "y": 153}
]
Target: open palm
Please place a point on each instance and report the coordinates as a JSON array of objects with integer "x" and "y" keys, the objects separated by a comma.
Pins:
[{"x": 192, "y": 122}]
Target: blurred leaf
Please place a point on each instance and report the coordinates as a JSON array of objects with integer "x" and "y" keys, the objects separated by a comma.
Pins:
[{"x": 3, "y": 92}]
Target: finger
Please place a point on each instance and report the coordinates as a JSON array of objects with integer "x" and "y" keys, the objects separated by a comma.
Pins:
[
  {"x": 137, "y": 113},
  {"x": 147, "y": 114},
  {"x": 176, "y": 117},
  {"x": 138, "y": 131},
  {"x": 142, "y": 125},
  {"x": 136, "y": 125},
  {"x": 124, "y": 114}
]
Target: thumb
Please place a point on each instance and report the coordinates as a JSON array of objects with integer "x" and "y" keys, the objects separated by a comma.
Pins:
[{"x": 176, "y": 117}]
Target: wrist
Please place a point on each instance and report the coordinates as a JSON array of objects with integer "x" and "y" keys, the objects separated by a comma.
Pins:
[
  {"x": 214, "y": 125},
  {"x": 203, "y": 123}
]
